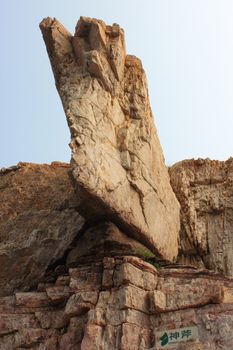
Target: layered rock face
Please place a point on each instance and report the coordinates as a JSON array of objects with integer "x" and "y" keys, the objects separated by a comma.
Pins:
[
  {"x": 109, "y": 281},
  {"x": 205, "y": 191},
  {"x": 117, "y": 159},
  {"x": 121, "y": 303},
  {"x": 38, "y": 222}
]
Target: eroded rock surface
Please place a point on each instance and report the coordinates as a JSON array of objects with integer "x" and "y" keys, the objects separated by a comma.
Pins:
[
  {"x": 38, "y": 221},
  {"x": 105, "y": 239},
  {"x": 205, "y": 191},
  {"x": 120, "y": 303},
  {"x": 116, "y": 155}
]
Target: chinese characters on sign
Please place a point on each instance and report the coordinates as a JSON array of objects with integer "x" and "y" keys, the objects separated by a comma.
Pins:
[{"x": 167, "y": 339}]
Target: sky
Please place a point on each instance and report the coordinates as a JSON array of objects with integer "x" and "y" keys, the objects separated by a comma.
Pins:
[{"x": 186, "y": 47}]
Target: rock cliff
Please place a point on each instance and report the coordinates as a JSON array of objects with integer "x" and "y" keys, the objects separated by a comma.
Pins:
[{"x": 101, "y": 254}]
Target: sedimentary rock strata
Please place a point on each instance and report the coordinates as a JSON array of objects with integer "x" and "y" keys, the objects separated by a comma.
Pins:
[
  {"x": 104, "y": 239},
  {"x": 205, "y": 191},
  {"x": 38, "y": 222},
  {"x": 117, "y": 159},
  {"x": 104, "y": 282},
  {"x": 120, "y": 303}
]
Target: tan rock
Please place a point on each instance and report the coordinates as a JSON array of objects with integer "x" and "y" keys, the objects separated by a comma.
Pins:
[
  {"x": 117, "y": 159},
  {"x": 32, "y": 299},
  {"x": 158, "y": 301},
  {"x": 58, "y": 294},
  {"x": 38, "y": 222},
  {"x": 123, "y": 316},
  {"x": 80, "y": 303},
  {"x": 135, "y": 337},
  {"x": 205, "y": 191},
  {"x": 134, "y": 298},
  {"x": 129, "y": 274},
  {"x": 227, "y": 295},
  {"x": 183, "y": 290},
  {"x": 92, "y": 339}
]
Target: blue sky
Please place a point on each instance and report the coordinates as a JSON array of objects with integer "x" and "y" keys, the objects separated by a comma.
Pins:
[{"x": 186, "y": 47}]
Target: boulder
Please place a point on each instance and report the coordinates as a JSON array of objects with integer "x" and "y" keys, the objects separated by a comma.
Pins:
[{"x": 117, "y": 160}]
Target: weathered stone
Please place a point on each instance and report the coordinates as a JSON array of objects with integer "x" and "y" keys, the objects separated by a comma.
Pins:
[
  {"x": 136, "y": 317},
  {"x": 226, "y": 296},
  {"x": 32, "y": 299},
  {"x": 129, "y": 274},
  {"x": 41, "y": 287},
  {"x": 92, "y": 339},
  {"x": 58, "y": 294},
  {"x": 62, "y": 281},
  {"x": 186, "y": 289},
  {"x": 105, "y": 239},
  {"x": 123, "y": 316},
  {"x": 134, "y": 298},
  {"x": 80, "y": 303},
  {"x": 135, "y": 337},
  {"x": 117, "y": 159},
  {"x": 30, "y": 337},
  {"x": 10, "y": 323},
  {"x": 213, "y": 321},
  {"x": 158, "y": 301},
  {"x": 38, "y": 222},
  {"x": 85, "y": 279},
  {"x": 205, "y": 191},
  {"x": 109, "y": 300},
  {"x": 51, "y": 319}
]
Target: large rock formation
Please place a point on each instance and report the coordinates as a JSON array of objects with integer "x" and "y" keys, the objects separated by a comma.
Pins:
[
  {"x": 117, "y": 159},
  {"x": 38, "y": 222},
  {"x": 70, "y": 284},
  {"x": 205, "y": 191},
  {"x": 121, "y": 303}
]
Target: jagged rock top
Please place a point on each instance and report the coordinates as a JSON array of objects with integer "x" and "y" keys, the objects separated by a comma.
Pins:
[{"x": 117, "y": 159}]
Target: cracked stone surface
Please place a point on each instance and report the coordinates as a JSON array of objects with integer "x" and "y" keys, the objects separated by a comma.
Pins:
[
  {"x": 205, "y": 191},
  {"x": 38, "y": 222},
  {"x": 117, "y": 159},
  {"x": 120, "y": 303}
]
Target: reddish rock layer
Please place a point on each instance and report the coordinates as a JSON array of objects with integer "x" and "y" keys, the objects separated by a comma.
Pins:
[{"x": 119, "y": 303}]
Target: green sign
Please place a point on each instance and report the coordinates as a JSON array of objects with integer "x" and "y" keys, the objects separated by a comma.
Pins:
[{"x": 169, "y": 338}]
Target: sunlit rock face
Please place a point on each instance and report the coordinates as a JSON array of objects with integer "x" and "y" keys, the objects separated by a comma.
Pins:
[
  {"x": 117, "y": 159},
  {"x": 106, "y": 282},
  {"x": 121, "y": 303},
  {"x": 205, "y": 191}
]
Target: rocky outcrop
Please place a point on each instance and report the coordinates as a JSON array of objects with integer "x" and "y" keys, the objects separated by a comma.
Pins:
[
  {"x": 205, "y": 191},
  {"x": 117, "y": 159},
  {"x": 38, "y": 222},
  {"x": 121, "y": 303},
  {"x": 104, "y": 239},
  {"x": 109, "y": 281}
]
